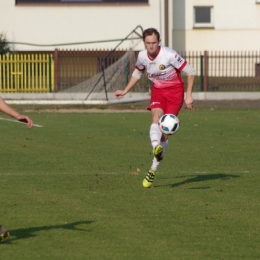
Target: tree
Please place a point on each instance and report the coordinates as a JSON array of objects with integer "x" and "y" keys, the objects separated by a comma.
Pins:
[{"x": 4, "y": 46}]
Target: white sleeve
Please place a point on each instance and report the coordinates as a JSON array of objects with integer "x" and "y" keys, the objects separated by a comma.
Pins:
[
  {"x": 189, "y": 70},
  {"x": 137, "y": 74}
]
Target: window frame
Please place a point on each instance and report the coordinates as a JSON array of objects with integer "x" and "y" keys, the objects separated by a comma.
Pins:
[{"x": 204, "y": 25}]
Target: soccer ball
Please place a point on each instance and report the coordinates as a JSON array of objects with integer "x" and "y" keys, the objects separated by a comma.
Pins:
[{"x": 169, "y": 124}]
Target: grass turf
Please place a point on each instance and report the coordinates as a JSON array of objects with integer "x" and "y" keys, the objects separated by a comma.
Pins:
[{"x": 72, "y": 189}]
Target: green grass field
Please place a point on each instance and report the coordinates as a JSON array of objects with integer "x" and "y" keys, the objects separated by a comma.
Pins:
[{"x": 73, "y": 188}]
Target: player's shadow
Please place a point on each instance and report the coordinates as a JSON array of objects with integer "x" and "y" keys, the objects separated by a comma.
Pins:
[
  {"x": 202, "y": 178},
  {"x": 23, "y": 233}
]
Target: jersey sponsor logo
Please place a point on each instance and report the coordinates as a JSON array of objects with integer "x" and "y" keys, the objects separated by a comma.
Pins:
[
  {"x": 161, "y": 67},
  {"x": 163, "y": 76},
  {"x": 157, "y": 74}
]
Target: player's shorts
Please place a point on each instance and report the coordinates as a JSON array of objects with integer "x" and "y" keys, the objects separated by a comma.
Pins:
[{"x": 170, "y": 100}]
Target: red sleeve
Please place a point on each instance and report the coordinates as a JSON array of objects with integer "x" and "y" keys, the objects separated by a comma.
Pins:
[
  {"x": 140, "y": 69},
  {"x": 183, "y": 65}
]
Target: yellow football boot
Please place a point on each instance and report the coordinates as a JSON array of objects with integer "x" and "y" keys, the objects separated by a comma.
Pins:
[
  {"x": 148, "y": 180},
  {"x": 157, "y": 152}
]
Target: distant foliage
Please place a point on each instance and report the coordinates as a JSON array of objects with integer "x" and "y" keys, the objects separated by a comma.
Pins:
[{"x": 4, "y": 46}]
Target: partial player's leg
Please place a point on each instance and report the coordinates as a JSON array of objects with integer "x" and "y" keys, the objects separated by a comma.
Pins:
[
  {"x": 156, "y": 134},
  {"x": 155, "y": 137},
  {"x": 155, "y": 161}
]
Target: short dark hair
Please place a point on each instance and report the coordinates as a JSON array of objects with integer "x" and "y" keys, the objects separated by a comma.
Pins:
[{"x": 151, "y": 31}]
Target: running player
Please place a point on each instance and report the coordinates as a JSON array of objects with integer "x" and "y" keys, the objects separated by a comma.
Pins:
[
  {"x": 6, "y": 109},
  {"x": 163, "y": 66}
]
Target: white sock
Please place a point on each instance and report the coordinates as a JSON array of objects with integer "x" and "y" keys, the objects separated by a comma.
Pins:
[
  {"x": 164, "y": 145},
  {"x": 155, "y": 135},
  {"x": 156, "y": 163}
]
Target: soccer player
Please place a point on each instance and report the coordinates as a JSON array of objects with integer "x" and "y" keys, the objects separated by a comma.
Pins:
[
  {"x": 6, "y": 109},
  {"x": 163, "y": 66}
]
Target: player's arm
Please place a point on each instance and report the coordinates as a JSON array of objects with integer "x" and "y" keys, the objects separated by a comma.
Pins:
[
  {"x": 133, "y": 80},
  {"x": 6, "y": 109},
  {"x": 190, "y": 71},
  {"x": 189, "y": 99}
]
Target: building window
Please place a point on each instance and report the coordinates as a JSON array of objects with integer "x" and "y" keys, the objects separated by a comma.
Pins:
[{"x": 203, "y": 17}]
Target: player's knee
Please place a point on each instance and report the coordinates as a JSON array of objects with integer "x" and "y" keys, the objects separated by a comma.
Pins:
[{"x": 157, "y": 114}]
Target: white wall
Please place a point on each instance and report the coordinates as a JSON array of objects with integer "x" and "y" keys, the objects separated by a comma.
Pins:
[
  {"x": 69, "y": 24},
  {"x": 236, "y": 26}
]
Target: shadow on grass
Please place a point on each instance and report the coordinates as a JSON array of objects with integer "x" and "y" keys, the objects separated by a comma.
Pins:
[
  {"x": 201, "y": 178},
  {"x": 23, "y": 233}
]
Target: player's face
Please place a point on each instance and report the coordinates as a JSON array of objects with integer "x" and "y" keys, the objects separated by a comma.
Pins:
[{"x": 151, "y": 44}]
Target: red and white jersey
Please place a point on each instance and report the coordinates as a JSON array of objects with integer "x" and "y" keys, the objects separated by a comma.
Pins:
[{"x": 163, "y": 70}]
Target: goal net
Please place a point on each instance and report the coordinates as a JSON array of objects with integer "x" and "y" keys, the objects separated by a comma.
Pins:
[{"x": 116, "y": 76}]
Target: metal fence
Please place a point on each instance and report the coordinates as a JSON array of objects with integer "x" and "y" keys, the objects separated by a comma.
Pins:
[
  {"x": 26, "y": 73},
  {"x": 62, "y": 69},
  {"x": 225, "y": 71}
]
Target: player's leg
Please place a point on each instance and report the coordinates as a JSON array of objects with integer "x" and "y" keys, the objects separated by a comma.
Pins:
[
  {"x": 155, "y": 161},
  {"x": 157, "y": 109},
  {"x": 173, "y": 105},
  {"x": 169, "y": 101},
  {"x": 155, "y": 137},
  {"x": 164, "y": 144},
  {"x": 4, "y": 233},
  {"x": 156, "y": 134},
  {"x": 175, "y": 98}
]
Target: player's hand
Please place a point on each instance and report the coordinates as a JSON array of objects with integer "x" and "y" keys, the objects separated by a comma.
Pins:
[
  {"x": 189, "y": 102},
  {"x": 26, "y": 120},
  {"x": 119, "y": 93}
]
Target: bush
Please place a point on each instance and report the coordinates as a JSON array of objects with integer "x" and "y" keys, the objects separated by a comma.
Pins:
[{"x": 4, "y": 46}]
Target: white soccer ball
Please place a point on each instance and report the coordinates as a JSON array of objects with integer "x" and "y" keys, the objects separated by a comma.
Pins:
[{"x": 169, "y": 124}]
